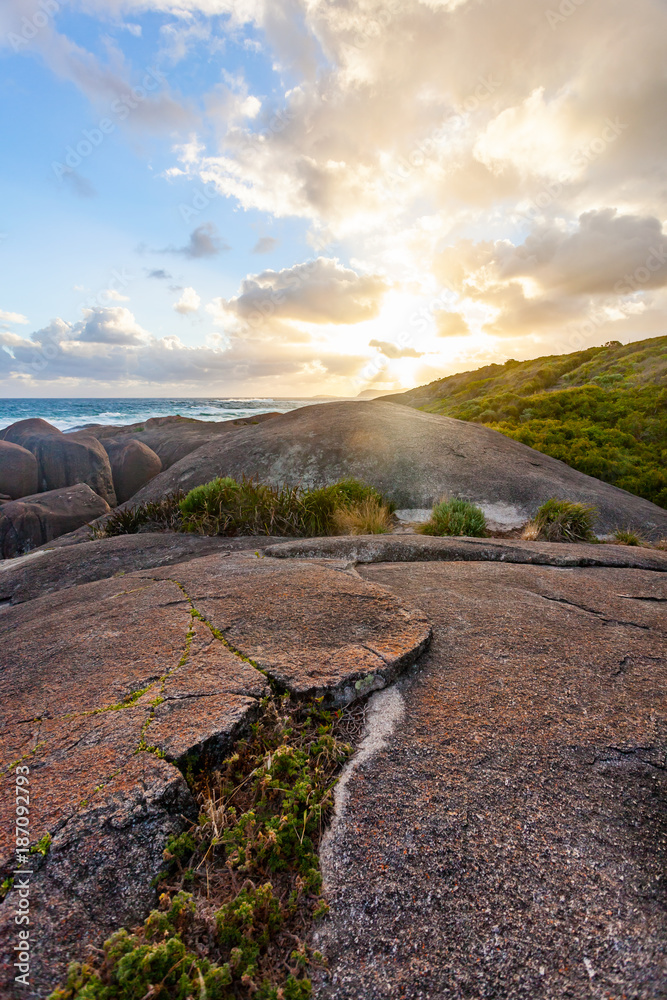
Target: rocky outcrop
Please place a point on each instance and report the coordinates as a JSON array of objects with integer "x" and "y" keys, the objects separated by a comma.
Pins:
[
  {"x": 414, "y": 458},
  {"x": 18, "y": 471},
  {"x": 172, "y": 438},
  {"x": 33, "y": 520},
  {"x": 133, "y": 464},
  {"x": 108, "y": 685},
  {"x": 507, "y": 838},
  {"x": 52, "y": 567},
  {"x": 64, "y": 459}
]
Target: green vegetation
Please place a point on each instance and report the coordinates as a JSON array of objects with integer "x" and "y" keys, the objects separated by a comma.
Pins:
[
  {"x": 368, "y": 517},
  {"x": 251, "y": 871},
  {"x": 626, "y": 536},
  {"x": 456, "y": 517},
  {"x": 602, "y": 411},
  {"x": 563, "y": 521},
  {"x": 227, "y": 507}
]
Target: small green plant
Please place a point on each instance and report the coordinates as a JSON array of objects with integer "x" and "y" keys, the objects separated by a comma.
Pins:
[
  {"x": 563, "y": 521},
  {"x": 251, "y": 870},
  {"x": 42, "y": 846},
  {"x": 626, "y": 536},
  {"x": 456, "y": 517}
]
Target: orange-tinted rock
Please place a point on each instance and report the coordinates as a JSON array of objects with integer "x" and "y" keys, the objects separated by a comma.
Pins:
[
  {"x": 18, "y": 471},
  {"x": 133, "y": 464},
  {"x": 101, "y": 679},
  {"x": 34, "y": 520}
]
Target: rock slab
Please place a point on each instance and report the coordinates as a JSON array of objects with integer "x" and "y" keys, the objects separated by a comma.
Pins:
[
  {"x": 510, "y": 839},
  {"x": 107, "y": 685}
]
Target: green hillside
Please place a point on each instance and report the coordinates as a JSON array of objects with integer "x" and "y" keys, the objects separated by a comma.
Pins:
[{"x": 603, "y": 411}]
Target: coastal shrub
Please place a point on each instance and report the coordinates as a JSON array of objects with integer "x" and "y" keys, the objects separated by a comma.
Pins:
[
  {"x": 456, "y": 517},
  {"x": 228, "y": 507},
  {"x": 368, "y": 517},
  {"x": 564, "y": 521},
  {"x": 251, "y": 867},
  {"x": 602, "y": 411},
  {"x": 158, "y": 515}
]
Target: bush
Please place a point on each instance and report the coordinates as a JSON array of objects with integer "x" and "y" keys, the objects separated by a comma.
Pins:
[
  {"x": 456, "y": 517},
  {"x": 369, "y": 517},
  {"x": 625, "y": 536},
  {"x": 160, "y": 515},
  {"x": 227, "y": 507},
  {"x": 564, "y": 521}
]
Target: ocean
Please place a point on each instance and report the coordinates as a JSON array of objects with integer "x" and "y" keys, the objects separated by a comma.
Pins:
[{"x": 68, "y": 414}]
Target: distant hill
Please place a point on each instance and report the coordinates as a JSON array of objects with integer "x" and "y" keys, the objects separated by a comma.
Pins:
[{"x": 603, "y": 411}]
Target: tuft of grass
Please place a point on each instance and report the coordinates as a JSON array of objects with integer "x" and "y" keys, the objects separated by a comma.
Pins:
[
  {"x": 250, "y": 867},
  {"x": 159, "y": 515},
  {"x": 368, "y": 517},
  {"x": 228, "y": 507},
  {"x": 456, "y": 517},
  {"x": 563, "y": 521},
  {"x": 626, "y": 536}
]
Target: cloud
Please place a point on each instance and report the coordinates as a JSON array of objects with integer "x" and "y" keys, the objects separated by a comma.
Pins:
[
  {"x": 394, "y": 351},
  {"x": 265, "y": 244},
  {"x": 319, "y": 291},
  {"x": 159, "y": 274},
  {"x": 189, "y": 302},
  {"x": 204, "y": 242},
  {"x": 114, "y": 325},
  {"x": 450, "y": 324},
  {"x": 12, "y": 317}
]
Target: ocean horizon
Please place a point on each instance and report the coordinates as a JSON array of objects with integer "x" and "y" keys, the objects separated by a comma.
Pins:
[{"x": 69, "y": 414}]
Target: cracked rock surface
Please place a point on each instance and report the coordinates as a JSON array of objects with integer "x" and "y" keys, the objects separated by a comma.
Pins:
[
  {"x": 510, "y": 839},
  {"x": 107, "y": 685}
]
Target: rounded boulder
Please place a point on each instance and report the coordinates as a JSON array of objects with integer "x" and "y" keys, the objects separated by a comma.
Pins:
[
  {"x": 133, "y": 464},
  {"x": 18, "y": 471}
]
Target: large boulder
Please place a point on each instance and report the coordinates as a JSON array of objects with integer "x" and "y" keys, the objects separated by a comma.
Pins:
[
  {"x": 64, "y": 459},
  {"x": 174, "y": 437},
  {"x": 17, "y": 432},
  {"x": 18, "y": 471},
  {"x": 414, "y": 458},
  {"x": 33, "y": 520},
  {"x": 133, "y": 464}
]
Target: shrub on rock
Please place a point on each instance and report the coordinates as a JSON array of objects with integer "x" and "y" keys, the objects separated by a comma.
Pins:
[
  {"x": 563, "y": 521},
  {"x": 456, "y": 517}
]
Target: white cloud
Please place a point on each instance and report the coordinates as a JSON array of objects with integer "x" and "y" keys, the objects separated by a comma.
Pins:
[
  {"x": 189, "y": 302},
  {"x": 12, "y": 317}
]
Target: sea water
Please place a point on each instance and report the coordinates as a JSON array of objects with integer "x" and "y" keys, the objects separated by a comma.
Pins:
[{"x": 68, "y": 414}]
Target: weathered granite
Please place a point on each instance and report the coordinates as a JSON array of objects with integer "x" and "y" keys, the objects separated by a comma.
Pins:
[
  {"x": 34, "y": 520},
  {"x": 102, "y": 679},
  {"x": 510, "y": 839},
  {"x": 413, "y": 458}
]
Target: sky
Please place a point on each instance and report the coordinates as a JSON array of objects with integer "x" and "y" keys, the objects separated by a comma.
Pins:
[{"x": 303, "y": 197}]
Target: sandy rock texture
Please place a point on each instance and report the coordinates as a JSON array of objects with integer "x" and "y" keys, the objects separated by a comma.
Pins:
[{"x": 510, "y": 839}]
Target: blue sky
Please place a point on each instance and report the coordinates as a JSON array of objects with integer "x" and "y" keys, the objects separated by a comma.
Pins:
[{"x": 301, "y": 196}]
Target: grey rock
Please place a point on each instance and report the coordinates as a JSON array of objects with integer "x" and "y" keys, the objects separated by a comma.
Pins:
[
  {"x": 133, "y": 464},
  {"x": 414, "y": 458}
]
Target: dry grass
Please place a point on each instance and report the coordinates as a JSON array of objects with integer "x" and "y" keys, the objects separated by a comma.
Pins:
[{"x": 369, "y": 517}]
